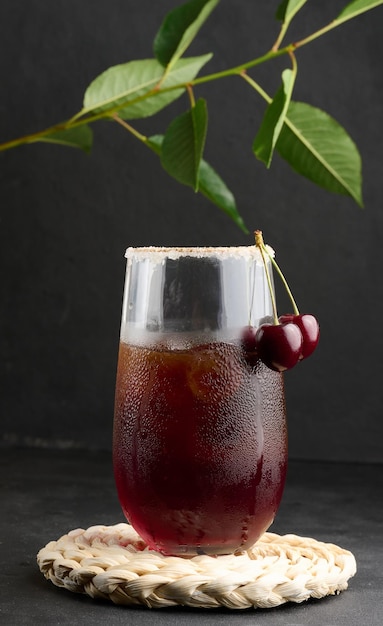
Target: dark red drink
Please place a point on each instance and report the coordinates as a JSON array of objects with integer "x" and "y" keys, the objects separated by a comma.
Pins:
[{"x": 200, "y": 448}]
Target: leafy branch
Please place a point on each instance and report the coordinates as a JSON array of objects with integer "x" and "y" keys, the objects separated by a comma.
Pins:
[{"x": 311, "y": 141}]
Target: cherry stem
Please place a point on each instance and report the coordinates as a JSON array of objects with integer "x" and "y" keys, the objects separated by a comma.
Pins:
[
  {"x": 262, "y": 249},
  {"x": 284, "y": 281}
]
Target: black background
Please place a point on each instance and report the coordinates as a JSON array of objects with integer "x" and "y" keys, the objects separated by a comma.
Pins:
[{"x": 66, "y": 218}]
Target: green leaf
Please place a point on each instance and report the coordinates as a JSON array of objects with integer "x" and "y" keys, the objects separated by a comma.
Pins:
[
  {"x": 183, "y": 145},
  {"x": 288, "y": 8},
  {"x": 211, "y": 186},
  {"x": 155, "y": 143},
  {"x": 179, "y": 28},
  {"x": 272, "y": 123},
  {"x": 317, "y": 147},
  {"x": 78, "y": 137},
  {"x": 356, "y": 8},
  {"x": 131, "y": 87}
]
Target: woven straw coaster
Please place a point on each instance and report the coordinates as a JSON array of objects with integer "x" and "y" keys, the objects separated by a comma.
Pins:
[{"x": 113, "y": 563}]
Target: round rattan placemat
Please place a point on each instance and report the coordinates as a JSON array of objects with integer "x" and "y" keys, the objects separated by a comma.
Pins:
[{"x": 113, "y": 563}]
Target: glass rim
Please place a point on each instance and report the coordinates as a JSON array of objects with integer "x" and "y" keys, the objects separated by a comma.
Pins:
[{"x": 157, "y": 253}]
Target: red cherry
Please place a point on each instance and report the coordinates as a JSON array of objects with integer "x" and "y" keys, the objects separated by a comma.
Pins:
[
  {"x": 279, "y": 345},
  {"x": 248, "y": 338},
  {"x": 249, "y": 345},
  {"x": 309, "y": 327}
]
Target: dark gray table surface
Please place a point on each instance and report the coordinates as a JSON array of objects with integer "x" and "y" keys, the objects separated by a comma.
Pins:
[{"x": 46, "y": 493}]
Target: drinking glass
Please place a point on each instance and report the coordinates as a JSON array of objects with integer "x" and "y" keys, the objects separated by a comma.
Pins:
[{"x": 199, "y": 441}]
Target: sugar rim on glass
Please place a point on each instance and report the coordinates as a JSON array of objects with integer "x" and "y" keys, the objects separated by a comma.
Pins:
[{"x": 159, "y": 253}]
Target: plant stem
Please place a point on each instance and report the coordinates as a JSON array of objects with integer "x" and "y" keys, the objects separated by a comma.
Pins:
[
  {"x": 191, "y": 95},
  {"x": 318, "y": 33},
  {"x": 238, "y": 69},
  {"x": 326, "y": 29},
  {"x": 130, "y": 128},
  {"x": 286, "y": 23},
  {"x": 14, "y": 143},
  {"x": 34, "y": 137},
  {"x": 256, "y": 86},
  {"x": 280, "y": 37}
]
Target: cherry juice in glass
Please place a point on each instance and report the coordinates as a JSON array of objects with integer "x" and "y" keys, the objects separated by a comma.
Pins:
[{"x": 200, "y": 445}]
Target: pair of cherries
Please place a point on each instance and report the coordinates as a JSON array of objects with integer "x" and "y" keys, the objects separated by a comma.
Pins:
[
  {"x": 290, "y": 339},
  {"x": 281, "y": 346}
]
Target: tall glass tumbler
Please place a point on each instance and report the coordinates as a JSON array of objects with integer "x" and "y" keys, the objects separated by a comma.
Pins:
[{"x": 199, "y": 443}]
